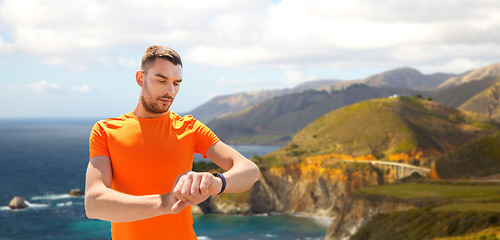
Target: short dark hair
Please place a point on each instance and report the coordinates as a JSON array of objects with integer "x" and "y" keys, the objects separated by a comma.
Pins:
[{"x": 163, "y": 52}]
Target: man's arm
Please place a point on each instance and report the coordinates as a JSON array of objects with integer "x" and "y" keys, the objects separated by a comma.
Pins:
[
  {"x": 101, "y": 202},
  {"x": 240, "y": 176}
]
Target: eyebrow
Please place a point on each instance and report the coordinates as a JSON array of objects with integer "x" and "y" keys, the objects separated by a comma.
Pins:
[
  {"x": 160, "y": 75},
  {"x": 164, "y": 77}
]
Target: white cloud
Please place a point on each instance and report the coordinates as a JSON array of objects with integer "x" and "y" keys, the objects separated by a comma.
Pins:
[
  {"x": 290, "y": 34},
  {"x": 43, "y": 86},
  {"x": 81, "y": 89},
  {"x": 454, "y": 66},
  {"x": 235, "y": 82},
  {"x": 5, "y": 47}
]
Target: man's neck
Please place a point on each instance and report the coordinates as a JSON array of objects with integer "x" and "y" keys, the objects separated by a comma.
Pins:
[{"x": 141, "y": 112}]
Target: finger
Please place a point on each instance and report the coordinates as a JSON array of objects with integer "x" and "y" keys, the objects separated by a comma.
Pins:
[
  {"x": 195, "y": 186},
  {"x": 178, "y": 206},
  {"x": 204, "y": 184},
  {"x": 178, "y": 189},
  {"x": 186, "y": 188}
]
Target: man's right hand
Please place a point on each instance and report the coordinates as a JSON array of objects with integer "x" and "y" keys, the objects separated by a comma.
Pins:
[{"x": 191, "y": 188}]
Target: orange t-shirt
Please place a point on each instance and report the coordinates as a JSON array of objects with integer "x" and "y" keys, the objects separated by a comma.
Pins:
[{"x": 147, "y": 155}]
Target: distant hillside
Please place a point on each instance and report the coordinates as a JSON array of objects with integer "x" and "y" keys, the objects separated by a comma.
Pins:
[
  {"x": 406, "y": 78},
  {"x": 277, "y": 120},
  {"x": 403, "y": 128},
  {"x": 486, "y": 102},
  {"x": 222, "y": 105},
  {"x": 478, "y": 74},
  {"x": 458, "y": 95},
  {"x": 477, "y": 158}
]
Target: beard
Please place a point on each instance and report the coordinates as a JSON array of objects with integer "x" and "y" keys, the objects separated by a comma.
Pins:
[{"x": 151, "y": 104}]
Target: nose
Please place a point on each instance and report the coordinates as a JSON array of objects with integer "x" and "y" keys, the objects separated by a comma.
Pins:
[{"x": 169, "y": 88}]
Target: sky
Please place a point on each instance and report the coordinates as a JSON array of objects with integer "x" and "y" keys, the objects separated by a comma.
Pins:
[{"x": 78, "y": 58}]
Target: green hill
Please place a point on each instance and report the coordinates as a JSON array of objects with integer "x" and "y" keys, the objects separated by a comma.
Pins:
[
  {"x": 402, "y": 128},
  {"x": 278, "y": 119},
  {"x": 486, "y": 102},
  {"x": 458, "y": 95},
  {"x": 477, "y": 158}
]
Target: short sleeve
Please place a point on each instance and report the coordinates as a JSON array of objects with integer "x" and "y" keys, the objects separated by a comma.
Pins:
[
  {"x": 205, "y": 138},
  {"x": 98, "y": 142}
]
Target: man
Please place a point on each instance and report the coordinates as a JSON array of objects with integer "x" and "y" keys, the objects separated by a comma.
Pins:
[{"x": 139, "y": 174}]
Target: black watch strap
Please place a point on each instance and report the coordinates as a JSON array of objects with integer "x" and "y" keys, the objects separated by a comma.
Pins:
[{"x": 223, "y": 182}]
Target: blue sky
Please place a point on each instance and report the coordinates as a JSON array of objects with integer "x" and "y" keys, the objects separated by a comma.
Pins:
[{"x": 78, "y": 58}]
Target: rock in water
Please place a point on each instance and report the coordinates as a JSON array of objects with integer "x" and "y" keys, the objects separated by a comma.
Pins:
[
  {"x": 18, "y": 203},
  {"x": 76, "y": 192}
]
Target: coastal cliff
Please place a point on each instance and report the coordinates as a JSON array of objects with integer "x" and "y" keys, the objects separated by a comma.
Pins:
[
  {"x": 314, "y": 187},
  {"x": 359, "y": 211}
]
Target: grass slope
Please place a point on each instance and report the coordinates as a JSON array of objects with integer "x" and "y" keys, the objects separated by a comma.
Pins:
[
  {"x": 447, "y": 209},
  {"x": 477, "y": 158},
  {"x": 388, "y": 127}
]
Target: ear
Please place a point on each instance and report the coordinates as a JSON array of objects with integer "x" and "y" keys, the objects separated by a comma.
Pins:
[{"x": 139, "y": 77}]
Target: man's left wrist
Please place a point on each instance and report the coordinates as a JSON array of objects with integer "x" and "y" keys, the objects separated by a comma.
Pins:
[{"x": 222, "y": 181}]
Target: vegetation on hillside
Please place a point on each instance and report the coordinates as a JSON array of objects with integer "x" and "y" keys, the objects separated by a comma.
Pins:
[
  {"x": 477, "y": 158},
  {"x": 421, "y": 224},
  {"x": 406, "y": 129},
  {"x": 492, "y": 233},
  {"x": 446, "y": 209}
]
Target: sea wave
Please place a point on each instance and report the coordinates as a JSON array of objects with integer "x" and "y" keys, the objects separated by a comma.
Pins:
[
  {"x": 64, "y": 204},
  {"x": 30, "y": 205},
  {"x": 52, "y": 197},
  {"x": 4, "y": 208},
  {"x": 203, "y": 238},
  {"x": 323, "y": 221},
  {"x": 36, "y": 205}
]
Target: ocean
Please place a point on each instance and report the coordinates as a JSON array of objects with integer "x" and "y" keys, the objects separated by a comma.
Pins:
[{"x": 41, "y": 160}]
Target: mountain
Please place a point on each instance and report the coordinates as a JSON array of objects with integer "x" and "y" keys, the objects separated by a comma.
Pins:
[
  {"x": 477, "y": 158},
  {"x": 222, "y": 105},
  {"x": 458, "y": 95},
  {"x": 406, "y": 78},
  {"x": 397, "y": 78},
  {"x": 401, "y": 128},
  {"x": 480, "y": 73},
  {"x": 277, "y": 120},
  {"x": 486, "y": 102}
]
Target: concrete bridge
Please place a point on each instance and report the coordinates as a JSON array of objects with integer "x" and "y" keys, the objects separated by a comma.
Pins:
[{"x": 400, "y": 170}]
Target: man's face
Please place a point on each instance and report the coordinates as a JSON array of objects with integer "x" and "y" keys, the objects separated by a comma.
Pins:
[{"x": 160, "y": 85}]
